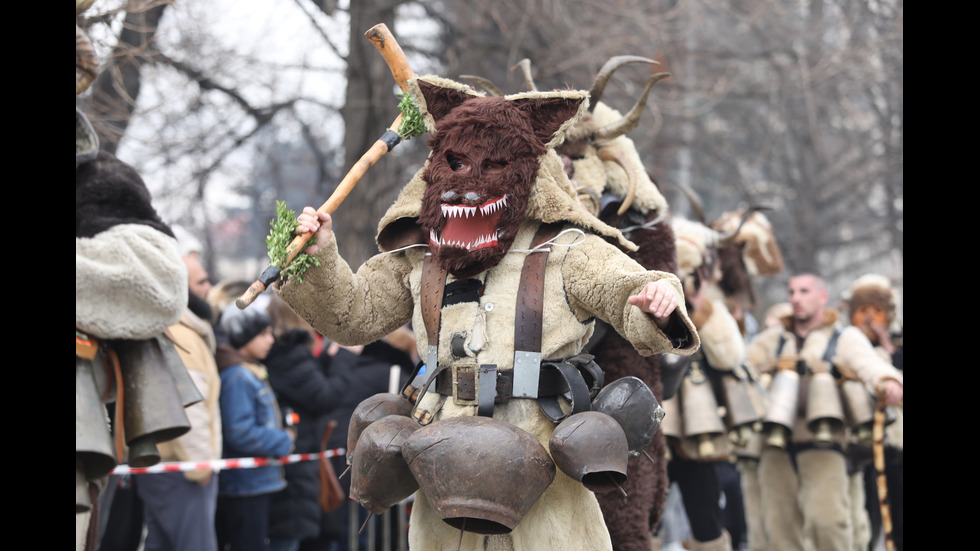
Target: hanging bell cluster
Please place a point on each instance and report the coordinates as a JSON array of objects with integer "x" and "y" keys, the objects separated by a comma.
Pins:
[
  {"x": 746, "y": 403},
  {"x": 155, "y": 387},
  {"x": 694, "y": 417},
  {"x": 392, "y": 456}
]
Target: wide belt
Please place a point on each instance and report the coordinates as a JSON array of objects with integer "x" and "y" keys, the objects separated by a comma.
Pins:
[
  {"x": 577, "y": 379},
  {"x": 550, "y": 383}
]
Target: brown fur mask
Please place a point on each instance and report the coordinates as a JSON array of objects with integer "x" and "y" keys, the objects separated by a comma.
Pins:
[{"x": 484, "y": 161}]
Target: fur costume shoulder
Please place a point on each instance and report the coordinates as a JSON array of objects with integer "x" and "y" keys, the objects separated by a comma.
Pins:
[{"x": 125, "y": 251}]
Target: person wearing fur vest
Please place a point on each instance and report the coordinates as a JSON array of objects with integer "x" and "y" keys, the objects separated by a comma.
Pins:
[
  {"x": 696, "y": 431},
  {"x": 803, "y": 472},
  {"x": 453, "y": 250},
  {"x": 179, "y": 508},
  {"x": 871, "y": 304}
]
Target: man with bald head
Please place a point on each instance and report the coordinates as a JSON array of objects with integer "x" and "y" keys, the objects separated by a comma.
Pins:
[{"x": 803, "y": 471}]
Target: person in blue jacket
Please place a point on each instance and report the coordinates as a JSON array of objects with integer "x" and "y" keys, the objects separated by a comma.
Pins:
[{"x": 251, "y": 427}]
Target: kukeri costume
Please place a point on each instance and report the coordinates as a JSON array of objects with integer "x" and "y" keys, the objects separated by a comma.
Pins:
[
  {"x": 130, "y": 285},
  {"x": 487, "y": 392},
  {"x": 610, "y": 176},
  {"x": 803, "y": 474}
]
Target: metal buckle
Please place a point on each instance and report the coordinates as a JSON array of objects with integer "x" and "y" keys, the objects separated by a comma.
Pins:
[{"x": 474, "y": 370}]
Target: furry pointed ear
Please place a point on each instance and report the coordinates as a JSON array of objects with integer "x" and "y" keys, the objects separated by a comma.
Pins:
[
  {"x": 440, "y": 100},
  {"x": 551, "y": 116}
]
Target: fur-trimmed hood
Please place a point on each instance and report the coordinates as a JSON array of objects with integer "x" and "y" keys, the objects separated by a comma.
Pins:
[{"x": 553, "y": 197}]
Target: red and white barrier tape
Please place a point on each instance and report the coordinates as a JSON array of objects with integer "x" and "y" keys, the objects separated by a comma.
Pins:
[{"x": 224, "y": 464}]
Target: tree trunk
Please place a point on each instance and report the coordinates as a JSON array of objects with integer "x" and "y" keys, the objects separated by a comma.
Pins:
[{"x": 116, "y": 89}]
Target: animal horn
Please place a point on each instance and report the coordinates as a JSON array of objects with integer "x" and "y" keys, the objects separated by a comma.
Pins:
[
  {"x": 695, "y": 200},
  {"x": 615, "y": 155},
  {"x": 484, "y": 83},
  {"x": 602, "y": 78},
  {"x": 632, "y": 118},
  {"x": 525, "y": 66},
  {"x": 727, "y": 237}
]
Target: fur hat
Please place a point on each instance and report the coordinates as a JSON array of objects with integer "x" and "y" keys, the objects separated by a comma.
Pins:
[
  {"x": 243, "y": 325},
  {"x": 873, "y": 289}
]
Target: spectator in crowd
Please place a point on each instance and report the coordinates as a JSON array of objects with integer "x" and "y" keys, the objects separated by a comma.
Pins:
[
  {"x": 370, "y": 367},
  {"x": 222, "y": 294},
  {"x": 179, "y": 507},
  {"x": 306, "y": 394},
  {"x": 251, "y": 426}
]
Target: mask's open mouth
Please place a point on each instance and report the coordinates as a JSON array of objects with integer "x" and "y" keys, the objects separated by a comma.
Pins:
[{"x": 470, "y": 227}]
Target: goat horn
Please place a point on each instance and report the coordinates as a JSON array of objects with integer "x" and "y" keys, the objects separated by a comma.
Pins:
[
  {"x": 632, "y": 119},
  {"x": 728, "y": 237},
  {"x": 616, "y": 156},
  {"x": 599, "y": 85},
  {"x": 695, "y": 200},
  {"x": 484, "y": 83},
  {"x": 525, "y": 66}
]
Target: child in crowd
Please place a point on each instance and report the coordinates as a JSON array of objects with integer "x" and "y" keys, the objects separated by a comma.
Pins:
[{"x": 252, "y": 427}]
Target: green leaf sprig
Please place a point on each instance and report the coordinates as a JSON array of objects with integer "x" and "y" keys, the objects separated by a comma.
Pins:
[
  {"x": 280, "y": 237},
  {"x": 413, "y": 123}
]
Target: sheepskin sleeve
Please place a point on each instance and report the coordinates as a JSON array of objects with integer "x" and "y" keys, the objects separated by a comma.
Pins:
[{"x": 352, "y": 308}]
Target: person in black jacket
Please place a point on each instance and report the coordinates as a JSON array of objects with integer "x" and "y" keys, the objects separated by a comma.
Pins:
[
  {"x": 306, "y": 394},
  {"x": 370, "y": 375}
]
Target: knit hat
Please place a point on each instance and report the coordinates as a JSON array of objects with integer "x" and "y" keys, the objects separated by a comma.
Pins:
[{"x": 241, "y": 325}]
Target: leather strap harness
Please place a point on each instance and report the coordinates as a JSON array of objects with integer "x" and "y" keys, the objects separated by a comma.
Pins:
[{"x": 577, "y": 378}]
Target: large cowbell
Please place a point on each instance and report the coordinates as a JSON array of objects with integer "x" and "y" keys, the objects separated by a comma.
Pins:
[
  {"x": 370, "y": 410},
  {"x": 633, "y": 405},
  {"x": 699, "y": 410},
  {"x": 784, "y": 396},
  {"x": 380, "y": 476},
  {"x": 451, "y": 459},
  {"x": 746, "y": 402},
  {"x": 156, "y": 389},
  {"x": 95, "y": 456},
  {"x": 592, "y": 448},
  {"x": 824, "y": 410},
  {"x": 859, "y": 404}
]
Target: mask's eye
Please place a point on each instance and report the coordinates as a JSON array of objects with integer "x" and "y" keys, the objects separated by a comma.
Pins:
[
  {"x": 493, "y": 166},
  {"x": 456, "y": 164}
]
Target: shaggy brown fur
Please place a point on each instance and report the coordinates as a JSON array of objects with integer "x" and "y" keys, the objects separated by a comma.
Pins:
[{"x": 493, "y": 167}]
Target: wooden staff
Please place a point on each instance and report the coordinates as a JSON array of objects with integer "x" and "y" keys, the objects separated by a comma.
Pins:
[
  {"x": 385, "y": 42},
  {"x": 878, "y": 435}
]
